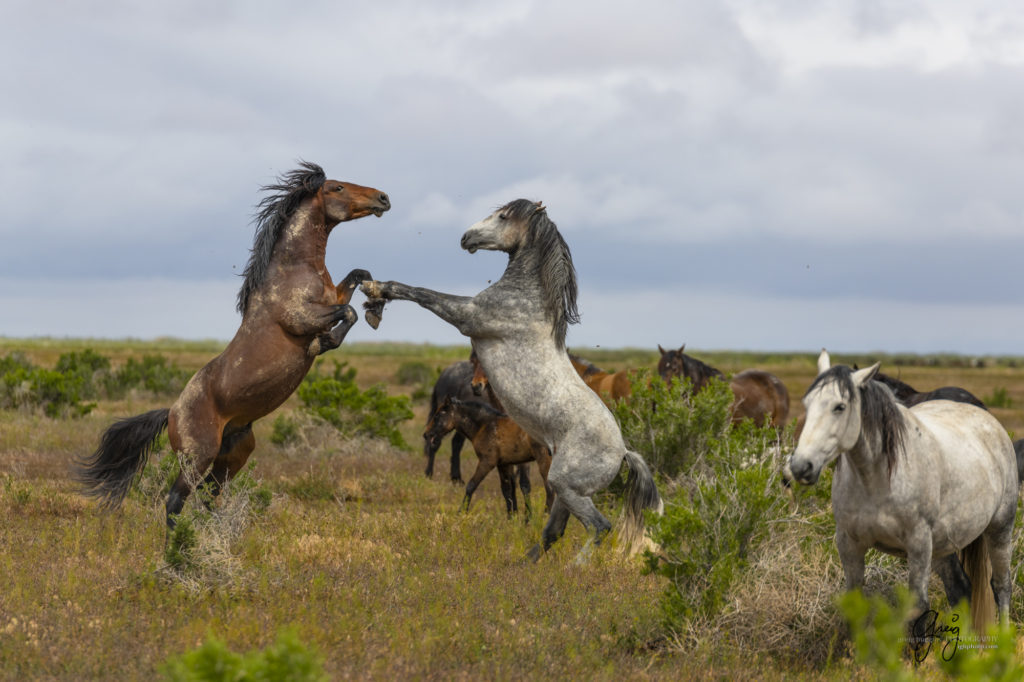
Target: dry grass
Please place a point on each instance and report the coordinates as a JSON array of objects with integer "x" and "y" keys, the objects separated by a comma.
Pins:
[{"x": 376, "y": 566}]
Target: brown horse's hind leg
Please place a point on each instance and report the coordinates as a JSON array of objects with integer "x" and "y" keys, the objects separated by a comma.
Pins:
[
  {"x": 194, "y": 431},
  {"x": 235, "y": 449}
]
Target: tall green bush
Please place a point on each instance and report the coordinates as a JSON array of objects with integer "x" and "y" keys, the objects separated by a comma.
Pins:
[
  {"x": 288, "y": 659},
  {"x": 721, "y": 489}
]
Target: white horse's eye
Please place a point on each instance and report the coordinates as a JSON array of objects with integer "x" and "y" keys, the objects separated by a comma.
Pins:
[{"x": 838, "y": 409}]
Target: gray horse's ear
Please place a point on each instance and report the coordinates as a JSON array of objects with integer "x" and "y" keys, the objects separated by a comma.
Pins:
[
  {"x": 862, "y": 376},
  {"x": 824, "y": 361}
]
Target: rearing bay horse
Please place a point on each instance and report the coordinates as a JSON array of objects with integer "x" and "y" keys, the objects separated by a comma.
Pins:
[
  {"x": 517, "y": 327},
  {"x": 291, "y": 312}
]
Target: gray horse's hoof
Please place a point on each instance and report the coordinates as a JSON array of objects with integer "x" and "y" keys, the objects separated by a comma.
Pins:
[
  {"x": 374, "y": 311},
  {"x": 535, "y": 553}
]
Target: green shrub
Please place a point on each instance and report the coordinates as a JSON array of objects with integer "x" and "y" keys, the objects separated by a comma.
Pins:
[
  {"x": 879, "y": 630},
  {"x": 419, "y": 375},
  {"x": 287, "y": 659},
  {"x": 89, "y": 367},
  {"x": 999, "y": 398},
  {"x": 721, "y": 492},
  {"x": 285, "y": 431},
  {"x": 154, "y": 373},
  {"x": 338, "y": 401}
]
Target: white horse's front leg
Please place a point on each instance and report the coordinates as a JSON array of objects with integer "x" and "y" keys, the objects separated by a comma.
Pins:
[
  {"x": 852, "y": 557},
  {"x": 458, "y": 311}
]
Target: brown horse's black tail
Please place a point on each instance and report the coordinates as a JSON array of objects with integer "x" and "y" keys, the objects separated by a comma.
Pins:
[{"x": 124, "y": 448}]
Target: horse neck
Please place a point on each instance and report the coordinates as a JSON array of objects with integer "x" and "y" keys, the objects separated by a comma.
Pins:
[
  {"x": 869, "y": 461},
  {"x": 304, "y": 237},
  {"x": 471, "y": 420}
]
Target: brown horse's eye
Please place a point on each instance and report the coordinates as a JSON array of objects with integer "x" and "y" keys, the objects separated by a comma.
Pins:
[{"x": 339, "y": 188}]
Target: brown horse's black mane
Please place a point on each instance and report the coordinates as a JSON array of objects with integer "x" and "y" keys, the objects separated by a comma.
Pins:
[
  {"x": 557, "y": 273},
  {"x": 591, "y": 370},
  {"x": 272, "y": 214},
  {"x": 880, "y": 416}
]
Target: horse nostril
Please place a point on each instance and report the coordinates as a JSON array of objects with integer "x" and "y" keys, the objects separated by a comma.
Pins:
[{"x": 384, "y": 199}]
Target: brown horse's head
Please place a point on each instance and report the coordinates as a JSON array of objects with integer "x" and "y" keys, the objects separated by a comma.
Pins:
[
  {"x": 479, "y": 380},
  {"x": 671, "y": 364},
  {"x": 676, "y": 363},
  {"x": 343, "y": 201},
  {"x": 441, "y": 423}
]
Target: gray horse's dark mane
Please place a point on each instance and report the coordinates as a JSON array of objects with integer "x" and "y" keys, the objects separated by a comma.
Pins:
[
  {"x": 555, "y": 268},
  {"x": 272, "y": 214},
  {"x": 880, "y": 416}
]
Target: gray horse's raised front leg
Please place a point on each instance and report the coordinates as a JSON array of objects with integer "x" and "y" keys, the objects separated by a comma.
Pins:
[{"x": 458, "y": 311}]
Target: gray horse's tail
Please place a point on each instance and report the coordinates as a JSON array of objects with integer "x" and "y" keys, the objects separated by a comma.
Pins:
[
  {"x": 978, "y": 569},
  {"x": 641, "y": 494},
  {"x": 124, "y": 448}
]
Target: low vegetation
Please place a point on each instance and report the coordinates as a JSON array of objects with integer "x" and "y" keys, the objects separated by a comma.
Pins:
[{"x": 332, "y": 557}]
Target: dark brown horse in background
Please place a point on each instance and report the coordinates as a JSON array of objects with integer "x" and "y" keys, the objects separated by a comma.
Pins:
[
  {"x": 759, "y": 396},
  {"x": 498, "y": 442},
  {"x": 455, "y": 381},
  {"x": 291, "y": 312}
]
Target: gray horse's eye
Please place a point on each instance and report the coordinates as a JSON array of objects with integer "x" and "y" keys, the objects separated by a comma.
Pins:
[{"x": 838, "y": 409}]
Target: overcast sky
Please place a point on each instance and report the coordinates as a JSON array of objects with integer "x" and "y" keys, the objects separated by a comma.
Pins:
[{"x": 769, "y": 175}]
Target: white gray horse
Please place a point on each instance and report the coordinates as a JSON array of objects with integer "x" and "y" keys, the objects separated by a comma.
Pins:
[
  {"x": 517, "y": 327},
  {"x": 923, "y": 483}
]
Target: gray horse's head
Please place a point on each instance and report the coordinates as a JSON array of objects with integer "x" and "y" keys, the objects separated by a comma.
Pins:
[
  {"x": 522, "y": 229},
  {"x": 833, "y": 422}
]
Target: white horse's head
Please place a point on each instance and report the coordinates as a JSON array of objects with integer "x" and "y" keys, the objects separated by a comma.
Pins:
[
  {"x": 833, "y": 422},
  {"x": 503, "y": 230}
]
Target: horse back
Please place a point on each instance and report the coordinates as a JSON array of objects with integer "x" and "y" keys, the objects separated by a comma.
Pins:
[
  {"x": 760, "y": 396},
  {"x": 972, "y": 445}
]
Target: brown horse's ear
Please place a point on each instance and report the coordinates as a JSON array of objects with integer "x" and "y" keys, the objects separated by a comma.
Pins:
[
  {"x": 682, "y": 347},
  {"x": 660, "y": 349}
]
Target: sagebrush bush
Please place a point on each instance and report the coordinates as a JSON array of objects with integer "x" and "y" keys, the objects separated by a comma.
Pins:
[
  {"x": 288, "y": 659},
  {"x": 337, "y": 400},
  {"x": 722, "y": 488},
  {"x": 81, "y": 376}
]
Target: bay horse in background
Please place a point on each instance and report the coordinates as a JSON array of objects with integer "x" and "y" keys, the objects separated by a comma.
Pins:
[
  {"x": 923, "y": 482},
  {"x": 759, "y": 395},
  {"x": 498, "y": 442},
  {"x": 458, "y": 380},
  {"x": 291, "y": 312},
  {"x": 517, "y": 327},
  {"x": 611, "y": 386}
]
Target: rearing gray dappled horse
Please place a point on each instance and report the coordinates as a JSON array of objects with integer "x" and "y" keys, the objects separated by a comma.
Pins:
[{"x": 517, "y": 327}]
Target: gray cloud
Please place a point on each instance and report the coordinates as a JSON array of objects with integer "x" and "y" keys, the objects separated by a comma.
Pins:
[{"x": 794, "y": 151}]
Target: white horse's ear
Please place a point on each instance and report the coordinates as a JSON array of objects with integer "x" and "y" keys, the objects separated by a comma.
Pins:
[
  {"x": 824, "y": 362},
  {"x": 862, "y": 376}
]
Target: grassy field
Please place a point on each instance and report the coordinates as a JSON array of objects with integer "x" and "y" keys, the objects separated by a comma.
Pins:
[{"x": 376, "y": 566}]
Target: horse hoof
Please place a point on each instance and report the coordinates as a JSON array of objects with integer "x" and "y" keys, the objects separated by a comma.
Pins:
[
  {"x": 373, "y": 313},
  {"x": 534, "y": 554}
]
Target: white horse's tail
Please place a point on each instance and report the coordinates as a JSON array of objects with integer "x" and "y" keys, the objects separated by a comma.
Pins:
[
  {"x": 978, "y": 569},
  {"x": 641, "y": 494}
]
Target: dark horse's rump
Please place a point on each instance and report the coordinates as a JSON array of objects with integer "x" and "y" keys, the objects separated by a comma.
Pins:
[{"x": 291, "y": 312}]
